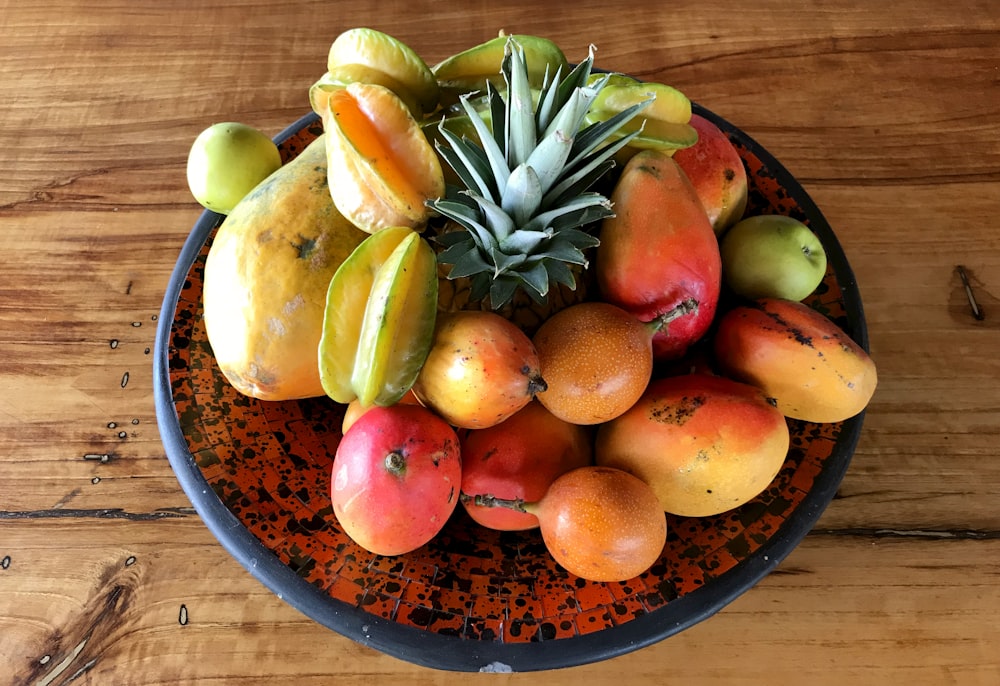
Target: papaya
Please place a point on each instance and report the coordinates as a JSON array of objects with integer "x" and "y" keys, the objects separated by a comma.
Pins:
[
  {"x": 266, "y": 278},
  {"x": 658, "y": 251}
]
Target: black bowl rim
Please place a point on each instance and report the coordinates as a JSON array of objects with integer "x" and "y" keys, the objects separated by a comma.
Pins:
[{"x": 443, "y": 652}]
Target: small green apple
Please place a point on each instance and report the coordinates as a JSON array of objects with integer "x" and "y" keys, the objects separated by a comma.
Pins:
[
  {"x": 226, "y": 162},
  {"x": 772, "y": 256}
]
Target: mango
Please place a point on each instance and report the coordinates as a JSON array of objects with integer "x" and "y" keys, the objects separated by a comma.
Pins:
[
  {"x": 811, "y": 368},
  {"x": 716, "y": 171},
  {"x": 658, "y": 251},
  {"x": 704, "y": 443}
]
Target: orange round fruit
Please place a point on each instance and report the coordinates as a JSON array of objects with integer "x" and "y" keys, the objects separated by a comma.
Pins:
[
  {"x": 602, "y": 524},
  {"x": 596, "y": 359}
]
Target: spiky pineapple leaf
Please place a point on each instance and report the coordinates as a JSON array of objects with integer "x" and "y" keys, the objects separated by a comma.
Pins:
[
  {"x": 493, "y": 217},
  {"x": 525, "y": 242},
  {"x": 504, "y": 262},
  {"x": 582, "y": 202},
  {"x": 492, "y": 150},
  {"x": 548, "y": 103},
  {"x": 565, "y": 251},
  {"x": 537, "y": 277},
  {"x": 502, "y": 290},
  {"x": 459, "y": 212},
  {"x": 576, "y": 185},
  {"x": 523, "y": 194},
  {"x": 595, "y": 135},
  {"x": 479, "y": 286},
  {"x": 579, "y": 239},
  {"x": 452, "y": 238},
  {"x": 468, "y": 161},
  {"x": 521, "y": 134},
  {"x": 577, "y": 78},
  {"x": 497, "y": 115},
  {"x": 469, "y": 264},
  {"x": 455, "y": 251},
  {"x": 560, "y": 273}
]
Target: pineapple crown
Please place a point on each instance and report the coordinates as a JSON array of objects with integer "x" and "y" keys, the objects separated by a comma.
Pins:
[{"x": 526, "y": 198}]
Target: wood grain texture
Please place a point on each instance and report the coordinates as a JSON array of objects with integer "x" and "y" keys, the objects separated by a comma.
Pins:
[{"x": 889, "y": 117}]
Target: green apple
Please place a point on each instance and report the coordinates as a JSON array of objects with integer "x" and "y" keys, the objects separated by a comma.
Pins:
[
  {"x": 226, "y": 162},
  {"x": 772, "y": 256}
]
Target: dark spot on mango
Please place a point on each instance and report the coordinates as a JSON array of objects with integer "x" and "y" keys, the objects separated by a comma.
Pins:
[
  {"x": 677, "y": 414},
  {"x": 651, "y": 170},
  {"x": 729, "y": 174}
]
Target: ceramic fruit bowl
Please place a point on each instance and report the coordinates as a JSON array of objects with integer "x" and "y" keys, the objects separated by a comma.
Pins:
[{"x": 473, "y": 599}]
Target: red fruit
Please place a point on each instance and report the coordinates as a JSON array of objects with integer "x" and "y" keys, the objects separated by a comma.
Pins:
[
  {"x": 519, "y": 458},
  {"x": 396, "y": 478},
  {"x": 716, "y": 171},
  {"x": 659, "y": 250}
]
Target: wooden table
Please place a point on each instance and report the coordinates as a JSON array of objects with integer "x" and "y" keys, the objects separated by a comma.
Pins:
[{"x": 890, "y": 119}]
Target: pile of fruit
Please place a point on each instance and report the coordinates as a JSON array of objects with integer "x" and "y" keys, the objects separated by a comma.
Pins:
[{"x": 510, "y": 270}]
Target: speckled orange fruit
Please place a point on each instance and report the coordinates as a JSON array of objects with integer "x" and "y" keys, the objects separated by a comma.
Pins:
[
  {"x": 596, "y": 359},
  {"x": 602, "y": 524}
]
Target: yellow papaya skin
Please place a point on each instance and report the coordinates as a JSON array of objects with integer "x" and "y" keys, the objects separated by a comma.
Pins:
[{"x": 266, "y": 278}]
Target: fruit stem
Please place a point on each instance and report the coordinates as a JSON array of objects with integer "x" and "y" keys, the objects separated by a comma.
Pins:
[
  {"x": 488, "y": 500},
  {"x": 536, "y": 385},
  {"x": 684, "y": 307},
  {"x": 395, "y": 463}
]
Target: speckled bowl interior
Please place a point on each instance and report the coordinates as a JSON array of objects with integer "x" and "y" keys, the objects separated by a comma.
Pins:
[{"x": 473, "y": 599}]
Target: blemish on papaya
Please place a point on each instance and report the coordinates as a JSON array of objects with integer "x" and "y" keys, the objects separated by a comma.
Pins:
[{"x": 305, "y": 248}]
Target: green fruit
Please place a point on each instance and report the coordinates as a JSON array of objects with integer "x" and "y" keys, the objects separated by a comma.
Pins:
[
  {"x": 397, "y": 63},
  {"x": 663, "y": 125},
  {"x": 772, "y": 256},
  {"x": 226, "y": 162},
  {"x": 468, "y": 71},
  {"x": 379, "y": 322},
  {"x": 346, "y": 74}
]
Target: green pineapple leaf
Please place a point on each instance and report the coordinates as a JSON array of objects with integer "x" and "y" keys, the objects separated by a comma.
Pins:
[{"x": 526, "y": 208}]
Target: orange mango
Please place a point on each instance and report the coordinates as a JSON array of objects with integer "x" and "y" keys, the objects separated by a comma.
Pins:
[
  {"x": 811, "y": 368},
  {"x": 704, "y": 443},
  {"x": 716, "y": 171}
]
